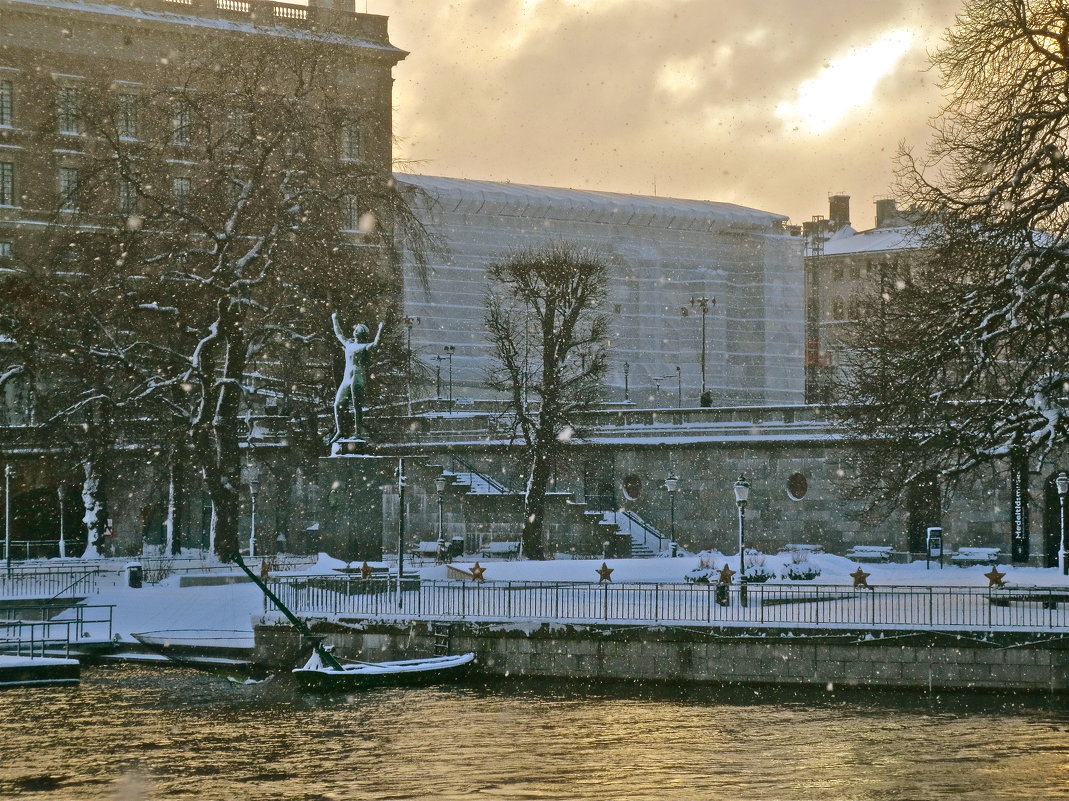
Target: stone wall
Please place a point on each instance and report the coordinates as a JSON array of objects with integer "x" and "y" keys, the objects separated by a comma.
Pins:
[{"x": 931, "y": 661}]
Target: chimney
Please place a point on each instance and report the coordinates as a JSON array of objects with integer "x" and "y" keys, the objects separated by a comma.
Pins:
[
  {"x": 839, "y": 210},
  {"x": 886, "y": 211}
]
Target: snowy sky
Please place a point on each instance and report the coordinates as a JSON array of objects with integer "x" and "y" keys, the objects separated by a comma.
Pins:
[{"x": 768, "y": 103}]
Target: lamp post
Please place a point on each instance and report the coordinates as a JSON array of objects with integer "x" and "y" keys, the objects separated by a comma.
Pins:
[
  {"x": 742, "y": 495},
  {"x": 439, "y": 484},
  {"x": 1062, "y": 484},
  {"x": 7, "y": 517},
  {"x": 438, "y": 376},
  {"x": 449, "y": 351},
  {"x": 672, "y": 484},
  {"x": 409, "y": 322},
  {"x": 254, "y": 490},
  {"x": 703, "y": 303},
  {"x": 61, "y": 493},
  {"x": 400, "y": 528},
  {"x": 627, "y": 389},
  {"x": 679, "y": 387}
]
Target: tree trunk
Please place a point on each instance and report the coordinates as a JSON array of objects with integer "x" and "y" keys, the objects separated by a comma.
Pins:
[{"x": 534, "y": 504}]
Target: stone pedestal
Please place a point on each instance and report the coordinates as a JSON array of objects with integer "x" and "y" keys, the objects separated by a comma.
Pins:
[{"x": 352, "y": 485}]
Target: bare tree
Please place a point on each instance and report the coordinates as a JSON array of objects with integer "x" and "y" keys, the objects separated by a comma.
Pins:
[
  {"x": 548, "y": 338},
  {"x": 963, "y": 363}
]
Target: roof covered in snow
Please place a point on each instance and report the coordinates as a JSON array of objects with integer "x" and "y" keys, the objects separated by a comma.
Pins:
[
  {"x": 519, "y": 200},
  {"x": 846, "y": 240}
]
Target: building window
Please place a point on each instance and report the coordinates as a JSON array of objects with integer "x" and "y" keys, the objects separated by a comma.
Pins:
[
  {"x": 7, "y": 183},
  {"x": 797, "y": 486},
  {"x": 350, "y": 213},
  {"x": 837, "y": 310},
  {"x": 69, "y": 190},
  {"x": 837, "y": 272},
  {"x": 855, "y": 271},
  {"x": 7, "y": 103},
  {"x": 7, "y": 250},
  {"x": 350, "y": 141},
  {"x": 127, "y": 120},
  {"x": 128, "y": 203},
  {"x": 181, "y": 123},
  {"x": 68, "y": 111},
  {"x": 180, "y": 188}
]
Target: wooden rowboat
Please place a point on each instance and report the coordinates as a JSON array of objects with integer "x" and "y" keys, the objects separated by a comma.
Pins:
[{"x": 316, "y": 675}]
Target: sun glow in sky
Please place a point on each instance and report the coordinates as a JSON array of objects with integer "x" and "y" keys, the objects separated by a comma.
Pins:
[
  {"x": 845, "y": 84},
  {"x": 773, "y": 105}
]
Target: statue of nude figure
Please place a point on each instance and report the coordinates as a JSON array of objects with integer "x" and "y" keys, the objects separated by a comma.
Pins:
[{"x": 350, "y": 394}]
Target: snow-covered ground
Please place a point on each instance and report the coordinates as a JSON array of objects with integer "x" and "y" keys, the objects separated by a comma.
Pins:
[{"x": 166, "y": 606}]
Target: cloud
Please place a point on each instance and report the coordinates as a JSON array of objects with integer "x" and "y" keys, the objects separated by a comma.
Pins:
[{"x": 771, "y": 105}]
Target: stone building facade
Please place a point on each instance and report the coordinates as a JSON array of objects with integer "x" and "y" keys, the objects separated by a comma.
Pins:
[
  {"x": 53, "y": 56},
  {"x": 664, "y": 256}
]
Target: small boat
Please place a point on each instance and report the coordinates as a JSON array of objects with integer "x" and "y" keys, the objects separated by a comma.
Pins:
[
  {"x": 323, "y": 671},
  {"x": 318, "y": 675},
  {"x": 196, "y": 648}
]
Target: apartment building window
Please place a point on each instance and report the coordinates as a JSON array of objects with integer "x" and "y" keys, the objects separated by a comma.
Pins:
[
  {"x": 181, "y": 123},
  {"x": 350, "y": 141},
  {"x": 180, "y": 188},
  {"x": 7, "y": 250},
  {"x": 127, "y": 119},
  {"x": 68, "y": 110},
  {"x": 69, "y": 189},
  {"x": 7, "y": 183},
  {"x": 7, "y": 103},
  {"x": 128, "y": 203},
  {"x": 350, "y": 213}
]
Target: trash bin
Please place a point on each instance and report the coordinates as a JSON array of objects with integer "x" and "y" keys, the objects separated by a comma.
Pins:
[{"x": 134, "y": 575}]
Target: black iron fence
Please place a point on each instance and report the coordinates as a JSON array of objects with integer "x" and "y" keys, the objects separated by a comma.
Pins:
[
  {"x": 37, "y": 629},
  {"x": 51, "y": 582},
  {"x": 784, "y": 606}
]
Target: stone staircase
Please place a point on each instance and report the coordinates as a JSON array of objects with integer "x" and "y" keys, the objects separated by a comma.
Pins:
[{"x": 646, "y": 541}]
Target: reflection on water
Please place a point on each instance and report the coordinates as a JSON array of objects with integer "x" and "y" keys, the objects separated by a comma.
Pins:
[{"x": 134, "y": 733}]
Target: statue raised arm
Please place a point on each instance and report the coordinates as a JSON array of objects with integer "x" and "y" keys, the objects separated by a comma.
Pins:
[{"x": 350, "y": 395}]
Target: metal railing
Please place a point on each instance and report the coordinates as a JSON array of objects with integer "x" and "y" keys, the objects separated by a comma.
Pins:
[
  {"x": 773, "y": 606},
  {"x": 648, "y": 531},
  {"x": 53, "y": 582},
  {"x": 471, "y": 473},
  {"x": 53, "y": 628}
]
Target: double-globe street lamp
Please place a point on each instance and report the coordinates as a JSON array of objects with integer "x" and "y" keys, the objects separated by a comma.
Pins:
[
  {"x": 1061, "y": 483},
  {"x": 742, "y": 495},
  {"x": 440, "y": 484},
  {"x": 672, "y": 484}
]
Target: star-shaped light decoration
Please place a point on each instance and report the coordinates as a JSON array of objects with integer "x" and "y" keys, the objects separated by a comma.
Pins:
[
  {"x": 366, "y": 571},
  {"x": 604, "y": 573},
  {"x": 994, "y": 578},
  {"x": 725, "y": 574},
  {"x": 477, "y": 572},
  {"x": 860, "y": 577}
]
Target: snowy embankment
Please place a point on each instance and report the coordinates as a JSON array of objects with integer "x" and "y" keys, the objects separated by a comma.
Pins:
[{"x": 168, "y": 607}]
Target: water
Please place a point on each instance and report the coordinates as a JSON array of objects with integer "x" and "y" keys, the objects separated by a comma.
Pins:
[{"x": 170, "y": 733}]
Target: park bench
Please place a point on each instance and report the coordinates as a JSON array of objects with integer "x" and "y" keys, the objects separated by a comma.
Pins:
[
  {"x": 803, "y": 547},
  {"x": 426, "y": 548},
  {"x": 870, "y": 553},
  {"x": 508, "y": 550},
  {"x": 976, "y": 556}
]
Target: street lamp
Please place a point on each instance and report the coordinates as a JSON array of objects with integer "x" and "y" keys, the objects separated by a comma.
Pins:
[
  {"x": 702, "y": 303},
  {"x": 409, "y": 322},
  {"x": 440, "y": 484},
  {"x": 449, "y": 351},
  {"x": 679, "y": 387},
  {"x": 1062, "y": 484},
  {"x": 672, "y": 484},
  {"x": 61, "y": 492},
  {"x": 438, "y": 376},
  {"x": 627, "y": 389},
  {"x": 7, "y": 517},
  {"x": 742, "y": 495}
]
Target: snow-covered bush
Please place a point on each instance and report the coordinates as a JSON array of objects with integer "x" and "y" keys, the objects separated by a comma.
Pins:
[
  {"x": 756, "y": 570},
  {"x": 800, "y": 568}
]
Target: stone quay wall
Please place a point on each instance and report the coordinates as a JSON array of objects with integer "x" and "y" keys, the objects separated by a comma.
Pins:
[{"x": 930, "y": 661}]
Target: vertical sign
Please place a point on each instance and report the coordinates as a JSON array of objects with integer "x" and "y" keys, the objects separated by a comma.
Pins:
[{"x": 1019, "y": 508}]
